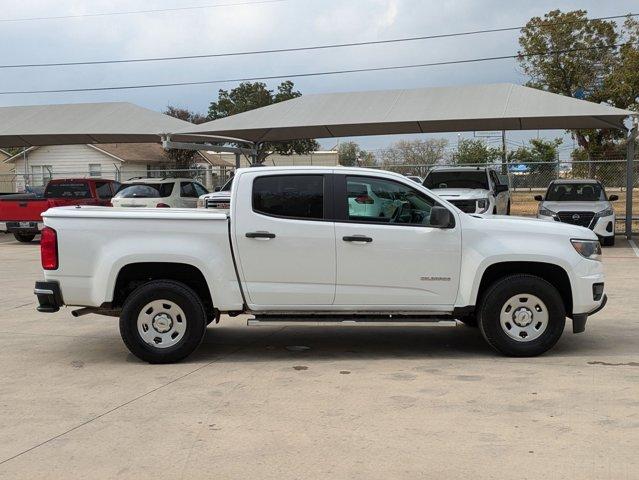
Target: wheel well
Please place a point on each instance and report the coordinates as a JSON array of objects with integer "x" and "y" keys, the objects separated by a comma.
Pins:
[
  {"x": 133, "y": 275},
  {"x": 553, "y": 274}
]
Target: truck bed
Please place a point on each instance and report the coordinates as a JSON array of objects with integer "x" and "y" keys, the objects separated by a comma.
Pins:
[{"x": 113, "y": 237}]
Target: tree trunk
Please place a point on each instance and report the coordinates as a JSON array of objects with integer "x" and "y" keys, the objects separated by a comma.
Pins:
[{"x": 585, "y": 144}]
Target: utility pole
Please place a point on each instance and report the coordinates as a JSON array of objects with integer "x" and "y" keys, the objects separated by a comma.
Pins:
[
  {"x": 504, "y": 170},
  {"x": 630, "y": 182}
]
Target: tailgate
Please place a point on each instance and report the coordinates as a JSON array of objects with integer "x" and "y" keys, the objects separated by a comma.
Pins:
[{"x": 22, "y": 210}]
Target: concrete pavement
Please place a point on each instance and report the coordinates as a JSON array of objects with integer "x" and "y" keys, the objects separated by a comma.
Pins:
[{"x": 365, "y": 403}]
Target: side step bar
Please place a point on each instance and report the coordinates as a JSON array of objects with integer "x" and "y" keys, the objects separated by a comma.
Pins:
[{"x": 350, "y": 321}]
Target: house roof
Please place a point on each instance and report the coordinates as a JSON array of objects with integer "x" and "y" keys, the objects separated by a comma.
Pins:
[
  {"x": 83, "y": 123},
  {"x": 137, "y": 153},
  {"x": 501, "y": 106}
]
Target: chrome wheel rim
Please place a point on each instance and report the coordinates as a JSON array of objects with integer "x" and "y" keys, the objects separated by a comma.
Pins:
[
  {"x": 524, "y": 317},
  {"x": 161, "y": 323}
]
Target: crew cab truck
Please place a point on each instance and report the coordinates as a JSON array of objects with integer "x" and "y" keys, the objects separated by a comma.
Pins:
[
  {"x": 21, "y": 214},
  {"x": 471, "y": 189},
  {"x": 294, "y": 249}
]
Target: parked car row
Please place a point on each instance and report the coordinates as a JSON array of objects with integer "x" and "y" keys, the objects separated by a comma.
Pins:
[
  {"x": 21, "y": 214},
  {"x": 480, "y": 190}
]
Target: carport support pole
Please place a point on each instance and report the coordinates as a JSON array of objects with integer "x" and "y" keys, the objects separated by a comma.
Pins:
[
  {"x": 237, "y": 160},
  {"x": 630, "y": 169}
]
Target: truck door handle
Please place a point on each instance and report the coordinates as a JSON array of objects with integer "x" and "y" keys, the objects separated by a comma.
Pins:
[
  {"x": 260, "y": 235},
  {"x": 357, "y": 238}
]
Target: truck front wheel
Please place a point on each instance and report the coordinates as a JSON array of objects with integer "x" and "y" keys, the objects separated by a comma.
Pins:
[
  {"x": 162, "y": 321},
  {"x": 522, "y": 316},
  {"x": 24, "y": 237}
]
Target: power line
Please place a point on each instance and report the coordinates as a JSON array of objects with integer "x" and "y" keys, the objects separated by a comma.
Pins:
[
  {"x": 310, "y": 74},
  {"x": 291, "y": 49},
  {"x": 136, "y": 12}
]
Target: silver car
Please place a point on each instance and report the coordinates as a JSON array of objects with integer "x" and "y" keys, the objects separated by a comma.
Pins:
[{"x": 580, "y": 202}]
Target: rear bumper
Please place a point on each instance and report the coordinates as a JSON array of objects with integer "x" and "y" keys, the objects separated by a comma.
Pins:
[
  {"x": 21, "y": 227},
  {"x": 49, "y": 296}
]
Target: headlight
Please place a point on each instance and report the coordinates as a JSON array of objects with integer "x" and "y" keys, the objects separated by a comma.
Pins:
[
  {"x": 544, "y": 212},
  {"x": 606, "y": 213},
  {"x": 590, "y": 249},
  {"x": 482, "y": 205},
  {"x": 200, "y": 203}
]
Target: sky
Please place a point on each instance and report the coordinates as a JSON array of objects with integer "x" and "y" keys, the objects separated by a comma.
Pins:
[{"x": 270, "y": 25}]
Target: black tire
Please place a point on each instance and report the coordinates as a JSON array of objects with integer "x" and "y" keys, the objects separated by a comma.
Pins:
[
  {"x": 24, "y": 237},
  {"x": 497, "y": 296},
  {"x": 178, "y": 294},
  {"x": 608, "y": 241}
]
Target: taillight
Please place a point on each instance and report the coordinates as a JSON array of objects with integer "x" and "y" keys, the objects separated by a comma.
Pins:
[
  {"x": 163, "y": 205},
  {"x": 49, "y": 248}
]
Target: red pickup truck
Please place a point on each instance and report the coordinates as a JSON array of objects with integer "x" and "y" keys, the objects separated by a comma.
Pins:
[{"x": 21, "y": 214}]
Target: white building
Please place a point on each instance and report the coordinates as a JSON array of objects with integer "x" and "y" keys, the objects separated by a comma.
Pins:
[{"x": 36, "y": 165}]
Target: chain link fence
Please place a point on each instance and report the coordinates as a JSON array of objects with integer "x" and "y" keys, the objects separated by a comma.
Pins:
[
  {"x": 210, "y": 177},
  {"x": 525, "y": 179}
]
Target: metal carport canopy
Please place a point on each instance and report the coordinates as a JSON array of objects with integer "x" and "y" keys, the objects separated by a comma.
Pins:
[
  {"x": 501, "y": 106},
  {"x": 68, "y": 124}
]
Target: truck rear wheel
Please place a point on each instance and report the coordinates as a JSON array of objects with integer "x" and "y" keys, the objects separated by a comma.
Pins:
[
  {"x": 522, "y": 316},
  {"x": 162, "y": 321},
  {"x": 24, "y": 237}
]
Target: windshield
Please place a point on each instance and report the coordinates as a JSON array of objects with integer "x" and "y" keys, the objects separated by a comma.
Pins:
[
  {"x": 67, "y": 190},
  {"x": 145, "y": 190},
  {"x": 458, "y": 179},
  {"x": 227, "y": 186},
  {"x": 575, "y": 192}
]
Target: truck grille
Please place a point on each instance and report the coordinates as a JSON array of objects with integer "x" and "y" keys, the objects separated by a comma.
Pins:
[
  {"x": 583, "y": 219},
  {"x": 221, "y": 204},
  {"x": 467, "y": 206}
]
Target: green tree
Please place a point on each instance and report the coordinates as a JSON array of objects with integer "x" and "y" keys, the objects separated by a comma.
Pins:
[
  {"x": 351, "y": 155},
  {"x": 476, "y": 151},
  {"x": 182, "y": 159},
  {"x": 569, "y": 54},
  {"x": 251, "y": 95},
  {"x": 622, "y": 84}
]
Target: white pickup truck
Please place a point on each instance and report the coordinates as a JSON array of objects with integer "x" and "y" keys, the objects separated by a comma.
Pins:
[
  {"x": 471, "y": 189},
  {"x": 297, "y": 248}
]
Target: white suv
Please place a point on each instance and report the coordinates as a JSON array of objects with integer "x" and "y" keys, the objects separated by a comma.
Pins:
[
  {"x": 471, "y": 189},
  {"x": 580, "y": 202},
  {"x": 159, "y": 192}
]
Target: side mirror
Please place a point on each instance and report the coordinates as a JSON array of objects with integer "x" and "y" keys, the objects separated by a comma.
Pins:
[
  {"x": 539, "y": 198},
  {"x": 501, "y": 188},
  {"x": 218, "y": 188},
  {"x": 440, "y": 217},
  {"x": 613, "y": 198}
]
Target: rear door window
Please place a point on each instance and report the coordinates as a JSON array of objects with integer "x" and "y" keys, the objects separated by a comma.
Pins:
[
  {"x": 145, "y": 190},
  {"x": 187, "y": 190},
  {"x": 290, "y": 196},
  {"x": 67, "y": 190}
]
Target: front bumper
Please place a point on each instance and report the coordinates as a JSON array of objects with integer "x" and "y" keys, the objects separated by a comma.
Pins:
[
  {"x": 579, "y": 320},
  {"x": 49, "y": 296}
]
